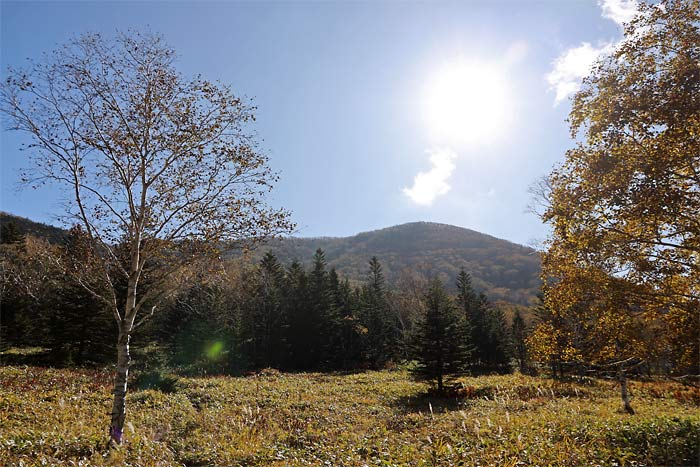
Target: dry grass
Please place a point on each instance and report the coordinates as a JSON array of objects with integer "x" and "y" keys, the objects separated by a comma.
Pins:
[{"x": 59, "y": 417}]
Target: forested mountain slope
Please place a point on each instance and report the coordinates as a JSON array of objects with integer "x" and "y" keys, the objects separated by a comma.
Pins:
[
  {"x": 26, "y": 226},
  {"x": 505, "y": 271}
]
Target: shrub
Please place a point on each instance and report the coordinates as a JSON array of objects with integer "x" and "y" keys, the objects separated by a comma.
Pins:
[
  {"x": 156, "y": 380},
  {"x": 688, "y": 396}
]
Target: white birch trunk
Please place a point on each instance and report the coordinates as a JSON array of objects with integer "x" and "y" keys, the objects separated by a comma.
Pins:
[{"x": 126, "y": 326}]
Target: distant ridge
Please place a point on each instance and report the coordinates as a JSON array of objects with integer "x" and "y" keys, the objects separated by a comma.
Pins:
[
  {"x": 505, "y": 271},
  {"x": 26, "y": 226}
]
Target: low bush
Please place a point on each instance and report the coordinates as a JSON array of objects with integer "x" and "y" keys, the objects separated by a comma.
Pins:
[{"x": 156, "y": 380}]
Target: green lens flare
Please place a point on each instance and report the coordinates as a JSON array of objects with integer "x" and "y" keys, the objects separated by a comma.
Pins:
[{"x": 214, "y": 350}]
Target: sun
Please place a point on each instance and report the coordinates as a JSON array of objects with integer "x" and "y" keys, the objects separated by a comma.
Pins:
[{"x": 466, "y": 103}]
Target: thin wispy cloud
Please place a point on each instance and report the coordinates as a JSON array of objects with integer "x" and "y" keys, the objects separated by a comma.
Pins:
[
  {"x": 576, "y": 63},
  {"x": 435, "y": 182}
]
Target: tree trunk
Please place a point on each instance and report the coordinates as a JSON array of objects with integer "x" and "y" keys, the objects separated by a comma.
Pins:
[
  {"x": 623, "y": 392},
  {"x": 116, "y": 428},
  {"x": 126, "y": 326},
  {"x": 439, "y": 381}
]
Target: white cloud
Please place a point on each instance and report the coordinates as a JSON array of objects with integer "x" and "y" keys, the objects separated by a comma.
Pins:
[
  {"x": 429, "y": 185},
  {"x": 575, "y": 63},
  {"x": 572, "y": 66},
  {"x": 620, "y": 11}
]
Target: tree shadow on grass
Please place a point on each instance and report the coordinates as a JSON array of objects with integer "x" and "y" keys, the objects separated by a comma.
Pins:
[
  {"x": 430, "y": 401},
  {"x": 30, "y": 356}
]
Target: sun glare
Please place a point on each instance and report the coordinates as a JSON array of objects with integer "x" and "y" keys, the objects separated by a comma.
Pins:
[{"x": 466, "y": 103}]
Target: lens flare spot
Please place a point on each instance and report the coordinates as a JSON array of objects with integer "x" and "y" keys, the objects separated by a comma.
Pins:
[{"x": 214, "y": 350}]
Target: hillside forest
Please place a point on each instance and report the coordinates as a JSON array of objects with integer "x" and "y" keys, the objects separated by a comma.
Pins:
[{"x": 251, "y": 315}]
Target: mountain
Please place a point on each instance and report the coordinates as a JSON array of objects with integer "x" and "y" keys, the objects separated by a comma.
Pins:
[
  {"x": 505, "y": 271},
  {"x": 25, "y": 226}
]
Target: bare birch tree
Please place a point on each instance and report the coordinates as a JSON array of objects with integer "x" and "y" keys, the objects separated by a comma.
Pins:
[{"x": 159, "y": 170}]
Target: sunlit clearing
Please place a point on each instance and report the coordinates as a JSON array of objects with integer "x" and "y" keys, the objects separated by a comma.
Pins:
[
  {"x": 466, "y": 103},
  {"x": 214, "y": 350}
]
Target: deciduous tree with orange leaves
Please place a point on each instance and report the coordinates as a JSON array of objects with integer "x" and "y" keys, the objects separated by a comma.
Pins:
[{"x": 624, "y": 206}]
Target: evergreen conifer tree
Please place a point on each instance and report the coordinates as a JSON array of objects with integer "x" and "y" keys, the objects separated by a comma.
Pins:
[
  {"x": 499, "y": 344},
  {"x": 303, "y": 334},
  {"x": 9, "y": 234},
  {"x": 67, "y": 318},
  {"x": 323, "y": 310},
  {"x": 78, "y": 328},
  {"x": 268, "y": 320},
  {"x": 480, "y": 332},
  {"x": 490, "y": 337},
  {"x": 382, "y": 333},
  {"x": 440, "y": 345},
  {"x": 466, "y": 298},
  {"x": 467, "y": 304},
  {"x": 195, "y": 332},
  {"x": 519, "y": 334},
  {"x": 351, "y": 332}
]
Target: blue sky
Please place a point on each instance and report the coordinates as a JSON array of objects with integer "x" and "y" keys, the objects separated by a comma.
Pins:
[{"x": 355, "y": 99}]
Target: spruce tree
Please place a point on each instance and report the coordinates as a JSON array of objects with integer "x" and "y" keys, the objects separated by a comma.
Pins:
[
  {"x": 382, "y": 333},
  {"x": 67, "y": 318},
  {"x": 467, "y": 304},
  {"x": 268, "y": 318},
  {"x": 10, "y": 234},
  {"x": 16, "y": 324},
  {"x": 323, "y": 311},
  {"x": 466, "y": 297},
  {"x": 490, "y": 336},
  {"x": 480, "y": 332},
  {"x": 196, "y": 333},
  {"x": 499, "y": 344},
  {"x": 351, "y": 332},
  {"x": 519, "y": 333},
  {"x": 303, "y": 333},
  {"x": 340, "y": 307},
  {"x": 440, "y": 345},
  {"x": 78, "y": 328}
]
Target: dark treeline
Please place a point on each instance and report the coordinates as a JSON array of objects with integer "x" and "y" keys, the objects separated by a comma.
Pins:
[
  {"x": 285, "y": 316},
  {"x": 292, "y": 317}
]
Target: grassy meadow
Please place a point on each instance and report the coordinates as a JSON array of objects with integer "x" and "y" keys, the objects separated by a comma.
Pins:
[{"x": 60, "y": 416}]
